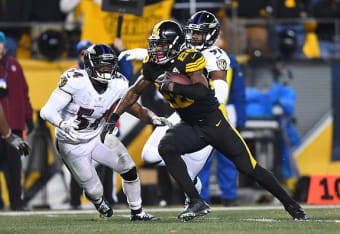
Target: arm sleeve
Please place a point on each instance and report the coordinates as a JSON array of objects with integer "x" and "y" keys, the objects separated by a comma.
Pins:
[
  {"x": 57, "y": 101},
  {"x": 194, "y": 91},
  {"x": 221, "y": 90}
]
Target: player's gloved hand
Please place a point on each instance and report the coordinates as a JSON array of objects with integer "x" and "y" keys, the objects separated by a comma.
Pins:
[
  {"x": 70, "y": 127},
  {"x": 19, "y": 144},
  {"x": 160, "y": 121},
  {"x": 134, "y": 54},
  {"x": 163, "y": 81},
  {"x": 109, "y": 126}
]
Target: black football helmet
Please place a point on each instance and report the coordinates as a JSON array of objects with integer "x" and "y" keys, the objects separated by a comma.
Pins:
[
  {"x": 204, "y": 23},
  {"x": 169, "y": 35},
  {"x": 101, "y": 63}
]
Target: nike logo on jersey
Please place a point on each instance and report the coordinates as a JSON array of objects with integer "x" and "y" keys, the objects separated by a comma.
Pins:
[
  {"x": 218, "y": 124},
  {"x": 193, "y": 56}
]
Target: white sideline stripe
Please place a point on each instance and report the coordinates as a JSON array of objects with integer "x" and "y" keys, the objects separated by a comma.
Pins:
[
  {"x": 93, "y": 211},
  {"x": 277, "y": 221}
]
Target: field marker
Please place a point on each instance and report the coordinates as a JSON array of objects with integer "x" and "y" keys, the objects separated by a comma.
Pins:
[{"x": 93, "y": 211}]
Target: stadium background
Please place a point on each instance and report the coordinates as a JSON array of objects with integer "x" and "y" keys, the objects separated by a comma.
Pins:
[{"x": 313, "y": 80}]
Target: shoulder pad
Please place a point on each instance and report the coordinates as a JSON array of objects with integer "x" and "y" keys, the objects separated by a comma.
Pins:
[
  {"x": 119, "y": 84},
  {"x": 217, "y": 59},
  {"x": 72, "y": 80},
  {"x": 146, "y": 59},
  {"x": 192, "y": 59}
]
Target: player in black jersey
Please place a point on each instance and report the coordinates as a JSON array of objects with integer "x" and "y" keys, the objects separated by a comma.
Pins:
[{"x": 203, "y": 120}]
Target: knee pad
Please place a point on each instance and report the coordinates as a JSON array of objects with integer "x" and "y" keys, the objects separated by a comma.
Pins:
[
  {"x": 131, "y": 175},
  {"x": 125, "y": 163}
]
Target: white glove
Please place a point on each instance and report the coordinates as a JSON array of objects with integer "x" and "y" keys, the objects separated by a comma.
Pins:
[
  {"x": 70, "y": 126},
  {"x": 135, "y": 54},
  {"x": 160, "y": 121}
]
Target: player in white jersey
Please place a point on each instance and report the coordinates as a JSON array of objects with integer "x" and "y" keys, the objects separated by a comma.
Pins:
[
  {"x": 77, "y": 108},
  {"x": 201, "y": 34}
]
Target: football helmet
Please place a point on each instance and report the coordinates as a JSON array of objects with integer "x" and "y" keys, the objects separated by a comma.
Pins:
[
  {"x": 101, "y": 63},
  {"x": 202, "y": 23},
  {"x": 166, "y": 41}
]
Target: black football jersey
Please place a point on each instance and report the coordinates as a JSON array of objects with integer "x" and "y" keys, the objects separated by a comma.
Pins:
[{"x": 190, "y": 60}]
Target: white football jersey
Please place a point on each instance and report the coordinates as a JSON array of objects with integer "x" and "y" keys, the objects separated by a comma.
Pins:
[
  {"x": 87, "y": 105},
  {"x": 217, "y": 59}
]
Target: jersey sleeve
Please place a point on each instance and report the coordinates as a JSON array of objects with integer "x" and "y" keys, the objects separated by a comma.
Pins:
[
  {"x": 121, "y": 85},
  {"x": 217, "y": 59},
  {"x": 72, "y": 80},
  {"x": 192, "y": 60}
]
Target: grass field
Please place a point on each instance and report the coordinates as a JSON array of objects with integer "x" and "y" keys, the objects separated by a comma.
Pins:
[{"x": 259, "y": 219}]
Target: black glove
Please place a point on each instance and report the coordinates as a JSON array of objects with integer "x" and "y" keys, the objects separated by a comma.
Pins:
[
  {"x": 163, "y": 81},
  {"x": 19, "y": 144},
  {"x": 109, "y": 125},
  {"x": 29, "y": 125}
]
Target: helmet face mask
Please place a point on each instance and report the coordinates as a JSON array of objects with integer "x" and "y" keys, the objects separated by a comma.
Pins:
[
  {"x": 101, "y": 63},
  {"x": 202, "y": 30},
  {"x": 159, "y": 51},
  {"x": 166, "y": 41}
]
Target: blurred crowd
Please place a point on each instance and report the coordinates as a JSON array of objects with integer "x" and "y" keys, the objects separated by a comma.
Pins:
[{"x": 259, "y": 28}]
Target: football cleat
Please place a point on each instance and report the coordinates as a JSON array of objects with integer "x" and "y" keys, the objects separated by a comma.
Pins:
[
  {"x": 143, "y": 216},
  {"x": 194, "y": 209},
  {"x": 103, "y": 207},
  {"x": 296, "y": 211}
]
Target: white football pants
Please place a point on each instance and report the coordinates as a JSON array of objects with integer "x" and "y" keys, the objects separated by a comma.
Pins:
[{"x": 113, "y": 154}]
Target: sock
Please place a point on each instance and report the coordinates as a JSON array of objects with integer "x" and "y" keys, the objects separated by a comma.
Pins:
[
  {"x": 178, "y": 170},
  {"x": 267, "y": 180},
  {"x": 134, "y": 212}
]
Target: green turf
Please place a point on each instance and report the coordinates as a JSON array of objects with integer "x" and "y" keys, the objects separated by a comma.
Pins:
[{"x": 227, "y": 221}]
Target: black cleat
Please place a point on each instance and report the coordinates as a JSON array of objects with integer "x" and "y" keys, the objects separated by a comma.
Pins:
[
  {"x": 296, "y": 211},
  {"x": 143, "y": 216},
  {"x": 103, "y": 207},
  {"x": 194, "y": 209}
]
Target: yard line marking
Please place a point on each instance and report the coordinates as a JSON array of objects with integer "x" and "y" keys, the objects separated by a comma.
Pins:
[{"x": 93, "y": 211}]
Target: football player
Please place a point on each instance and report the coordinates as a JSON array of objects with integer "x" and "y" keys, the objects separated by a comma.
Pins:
[
  {"x": 202, "y": 31},
  {"x": 77, "y": 108},
  {"x": 203, "y": 120}
]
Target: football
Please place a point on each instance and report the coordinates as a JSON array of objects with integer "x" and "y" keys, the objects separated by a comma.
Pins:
[{"x": 180, "y": 79}]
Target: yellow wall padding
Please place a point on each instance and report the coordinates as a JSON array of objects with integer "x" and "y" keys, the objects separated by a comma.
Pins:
[
  {"x": 42, "y": 78},
  {"x": 315, "y": 157}
]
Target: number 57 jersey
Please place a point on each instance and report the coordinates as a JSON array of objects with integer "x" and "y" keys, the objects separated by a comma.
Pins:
[{"x": 87, "y": 106}]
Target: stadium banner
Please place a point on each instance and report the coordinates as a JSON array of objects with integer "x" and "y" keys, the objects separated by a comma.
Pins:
[
  {"x": 101, "y": 27},
  {"x": 336, "y": 110}
]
